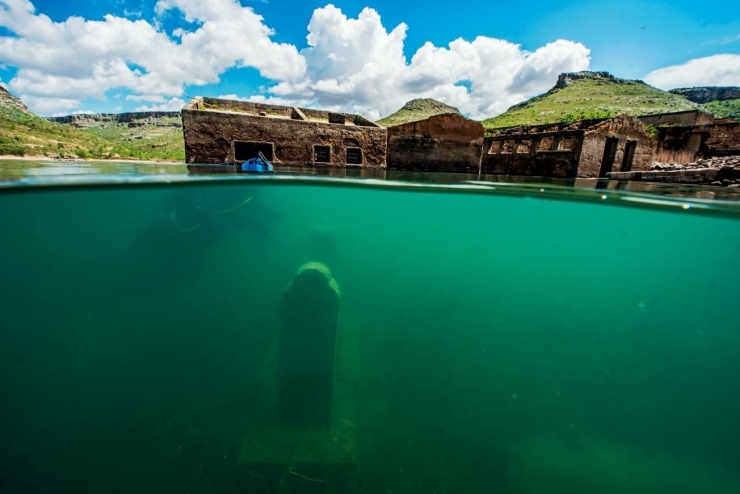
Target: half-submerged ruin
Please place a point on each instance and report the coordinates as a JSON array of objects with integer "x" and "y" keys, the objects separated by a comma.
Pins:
[
  {"x": 588, "y": 148},
  {"x": 447, "y": 142},
  {"x": 219, "y": 131}
]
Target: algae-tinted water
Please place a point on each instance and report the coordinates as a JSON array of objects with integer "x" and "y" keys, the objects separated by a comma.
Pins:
[{"x": 488, "y": 343}]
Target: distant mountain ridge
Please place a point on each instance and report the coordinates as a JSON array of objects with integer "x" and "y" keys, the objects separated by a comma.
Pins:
[
  {"x": 86, "y": 120},
  {"x": 708, "y": 94},
  {"x": 415, "y": 110}
]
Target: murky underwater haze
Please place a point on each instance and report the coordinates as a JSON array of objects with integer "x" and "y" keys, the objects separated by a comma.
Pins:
[{"x": 489, "y": 343}]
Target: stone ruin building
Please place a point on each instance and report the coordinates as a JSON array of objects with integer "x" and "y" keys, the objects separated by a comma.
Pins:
[
  {"x": 219, "y": 131},
  {"x": 684, "y": 137},
  {"x": 447, "y": 142},
  {"x": 588, "y": 148}
]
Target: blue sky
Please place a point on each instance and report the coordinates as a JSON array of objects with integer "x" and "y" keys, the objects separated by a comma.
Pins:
[{"x": 366, "y": 56}]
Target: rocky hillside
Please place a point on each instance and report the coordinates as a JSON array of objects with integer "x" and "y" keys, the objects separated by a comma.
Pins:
[
  {"x": 135, "y": 136},
  {"x": 587, "y": 95},
  {"x": 417, "y": 109},
  {"x": 708, "y": 94},
  {"x": 149, "y": 135},
  {"x": 720, "y": 101}
]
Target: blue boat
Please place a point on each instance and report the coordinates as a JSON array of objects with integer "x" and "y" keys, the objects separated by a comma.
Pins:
[{"x": 258, "y": 164}]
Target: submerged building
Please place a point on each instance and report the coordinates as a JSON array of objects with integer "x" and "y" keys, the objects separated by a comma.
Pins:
[
  {"x": 440, "y": 143},
  {"x": 219, "y": 130},
  {"x": 588, "y": 148}
]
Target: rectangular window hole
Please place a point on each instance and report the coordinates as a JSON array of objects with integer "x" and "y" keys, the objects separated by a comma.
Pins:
[
  {"x": 566, "y": 144},
  {"x": 321, "y": 154},
  {"x": 354, "y": 156},
  {"x": 244, "y": 150}
]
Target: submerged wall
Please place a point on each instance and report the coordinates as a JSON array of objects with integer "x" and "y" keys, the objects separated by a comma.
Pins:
[{"x": 446, "y": 142}]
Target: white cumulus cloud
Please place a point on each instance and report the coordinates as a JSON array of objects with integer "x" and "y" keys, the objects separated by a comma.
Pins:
[
  {"x": 173, "y": 104},
  {"x": 357, "y": 64},
  {"x": 715, "y": 70},
  {"x": 62, "y": 63}
]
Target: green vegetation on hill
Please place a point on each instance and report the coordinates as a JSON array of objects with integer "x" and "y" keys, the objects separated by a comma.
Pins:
[
  {"x": 721, "y": 109},
  {"x": 417, "y": 109},
  {"x": 24, "y": 134},
  {"x": 586, "y": 97}
]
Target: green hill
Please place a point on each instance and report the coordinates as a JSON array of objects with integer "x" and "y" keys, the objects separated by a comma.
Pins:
[
  {"x": 725, "y": 108},
  {"x": 587, "y": 95},
  {"x": 24, "y": 134},
  {"x": 417, "y": 109}
]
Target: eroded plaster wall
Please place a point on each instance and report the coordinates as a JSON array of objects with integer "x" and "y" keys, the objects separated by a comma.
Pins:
[
  {"x": 625, "y": 129},
  {"x": 446, "y": 142}
]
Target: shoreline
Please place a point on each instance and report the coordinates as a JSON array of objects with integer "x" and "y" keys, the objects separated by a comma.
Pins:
[{"x": 7, "y": 157}]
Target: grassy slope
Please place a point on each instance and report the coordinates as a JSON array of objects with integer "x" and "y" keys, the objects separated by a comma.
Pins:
[
  {"x": 727, "y": 108},
  {"x": 147, "y": 142},
  {"x": 589, "y": 98},
  {"x": 25, "y": 134},
  {"x": 414, "y": 110}
]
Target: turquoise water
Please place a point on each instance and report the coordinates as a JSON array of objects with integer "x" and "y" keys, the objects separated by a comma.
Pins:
[{"x": 491, "y": 338}]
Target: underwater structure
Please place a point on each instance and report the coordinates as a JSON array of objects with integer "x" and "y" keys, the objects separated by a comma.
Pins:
[
  {"x": 220, "y": 130},
  {"x": 308, "y": 444}
]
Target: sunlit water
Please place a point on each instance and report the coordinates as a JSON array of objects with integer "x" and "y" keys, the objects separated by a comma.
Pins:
[{"x": 493, "y": 338}]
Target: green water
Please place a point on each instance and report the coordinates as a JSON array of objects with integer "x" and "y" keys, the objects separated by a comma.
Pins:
[{"x": 488, "y": 342}]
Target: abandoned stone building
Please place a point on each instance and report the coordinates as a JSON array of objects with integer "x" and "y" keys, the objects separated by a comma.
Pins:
[
  {"x": 684, "y": 137},
  {"x": 219, "y": 130},
  {"x": 589, "y": 148},
  {"x": 441, "y": 143}
]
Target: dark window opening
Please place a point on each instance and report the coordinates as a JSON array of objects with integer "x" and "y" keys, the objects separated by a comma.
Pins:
[
  {"x": 629, "y": 156},
  {"x": 354, "y": 156},
  {"x": 610, "y": 153},
  {"x": 321, "y": 154},
  {"x": 248, "y": 150}
]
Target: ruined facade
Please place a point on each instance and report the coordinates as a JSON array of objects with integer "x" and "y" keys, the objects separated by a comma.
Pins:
[
  {"x": 218, "y": 131},
  {"x": 445, "y": 142},
  {"x": 684, "y": 137},
  {"x": 589, "y": 148}
]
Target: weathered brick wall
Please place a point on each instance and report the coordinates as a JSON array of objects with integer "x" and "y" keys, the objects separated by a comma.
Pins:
[
  {"x": 446, "y": 142},
  {"x": 209, "y": 136},
  {"x": 724, "y": 139},
  {"x": 626, "y": 129}
]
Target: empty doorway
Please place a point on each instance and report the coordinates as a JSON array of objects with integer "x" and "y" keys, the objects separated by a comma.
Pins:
[
  {"x": 610, "y": 153},
  {"x": 629, "y": 156}
]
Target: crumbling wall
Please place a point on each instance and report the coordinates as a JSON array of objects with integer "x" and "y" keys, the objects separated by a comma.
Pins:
[
  {"x": 445, "y": 142},
  {"x": 209, "y": 136},
  {"x": 625, "y": 129},
  {"x": 545, "y": 154},
  {"x": 723, "y": 140}
]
